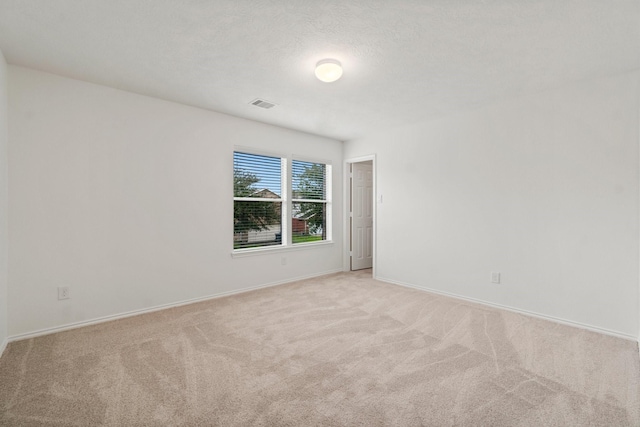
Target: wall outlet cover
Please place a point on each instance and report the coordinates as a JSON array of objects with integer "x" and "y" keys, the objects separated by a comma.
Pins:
[{"x": 63, "y": 292}]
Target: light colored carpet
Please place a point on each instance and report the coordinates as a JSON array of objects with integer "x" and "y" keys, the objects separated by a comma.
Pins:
[{"x": 338, "y": 350}]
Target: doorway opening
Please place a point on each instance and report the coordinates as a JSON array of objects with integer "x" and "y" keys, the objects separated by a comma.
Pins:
[{"x": 361, "y": 206}]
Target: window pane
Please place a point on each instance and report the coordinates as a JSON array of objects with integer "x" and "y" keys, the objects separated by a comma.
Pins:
[
  {"x": 256, "y": 224},
  {"x": 308, "y": 222},
  {"x": 256, "y": 176},
  {"x": 308, "y": 180}
]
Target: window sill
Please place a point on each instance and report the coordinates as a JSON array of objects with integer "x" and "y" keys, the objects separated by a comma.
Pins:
[{"x": 240, "y": 253}]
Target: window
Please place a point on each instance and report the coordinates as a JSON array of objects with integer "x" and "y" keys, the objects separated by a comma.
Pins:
[
  {"x": 257, "y": 200},
  {"x": 265, "y": 213},
  {"x": 309, "y": 202}
]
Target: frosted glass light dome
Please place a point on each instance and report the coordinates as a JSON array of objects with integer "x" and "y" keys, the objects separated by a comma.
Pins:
[{"x": 328, "y": 70}]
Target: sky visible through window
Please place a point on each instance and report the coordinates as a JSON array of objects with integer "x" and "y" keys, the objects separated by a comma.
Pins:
[
  {"x": 308, "y": 180},
  {"x": 266, "y": 169}
]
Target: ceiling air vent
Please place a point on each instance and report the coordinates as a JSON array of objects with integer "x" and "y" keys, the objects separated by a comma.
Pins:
[{"x": 262, "y": 103}]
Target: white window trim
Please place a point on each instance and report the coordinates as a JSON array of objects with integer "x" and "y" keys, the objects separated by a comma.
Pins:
[
  {"x": 240, "y": 253},
  {"x": 329, "y": 184},
  {"x": 256, "y": 199},
  {"x": 284, "y": 191},
  {"x": 286, "y": 200},
  {"x": 327, "y": 201}
]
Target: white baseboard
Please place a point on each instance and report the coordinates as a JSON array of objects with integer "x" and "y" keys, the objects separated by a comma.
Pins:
[
  {"x": 118, "y": 316},
  {"x": 515, "y": 310},
  {"x": 3, "y": 346}
]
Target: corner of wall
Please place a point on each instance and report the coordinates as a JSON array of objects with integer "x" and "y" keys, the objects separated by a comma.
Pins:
[
  {"x": 638, "y": 176},
  {"x": 4, "y": 136}
]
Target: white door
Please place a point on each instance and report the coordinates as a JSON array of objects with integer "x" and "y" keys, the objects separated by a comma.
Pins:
[{"x": 361, "y": 215}]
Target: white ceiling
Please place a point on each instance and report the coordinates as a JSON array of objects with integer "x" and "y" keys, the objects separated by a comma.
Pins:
[{"x": 404, "y": 60}]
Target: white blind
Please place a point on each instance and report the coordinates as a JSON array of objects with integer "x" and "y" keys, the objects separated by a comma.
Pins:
[
  {"x": 257, "y": 205},
  {"x": 257, "y": 176},
  {"x": 309, "y": 201},
  {"x": 308, "y": 180}
]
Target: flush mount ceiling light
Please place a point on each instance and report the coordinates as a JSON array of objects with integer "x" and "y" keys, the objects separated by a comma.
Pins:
[{"x": 328, "y": 70}]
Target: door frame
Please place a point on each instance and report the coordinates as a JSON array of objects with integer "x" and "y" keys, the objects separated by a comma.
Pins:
[{"x": 346, "y": 264}]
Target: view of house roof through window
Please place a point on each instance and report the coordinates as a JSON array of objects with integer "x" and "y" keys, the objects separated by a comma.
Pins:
[
  {"x": 266, "y": 214},
  {"x": 257, "y": 202}
]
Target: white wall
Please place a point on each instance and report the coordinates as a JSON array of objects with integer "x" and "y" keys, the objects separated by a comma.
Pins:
[
  {"x": 128, "y": 200},
  {"x": 543, "y": 189},
  {"x": 4, "y": 241}
]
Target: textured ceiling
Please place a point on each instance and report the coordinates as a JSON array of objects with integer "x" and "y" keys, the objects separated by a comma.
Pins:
[{"x": 404, "y": 60}]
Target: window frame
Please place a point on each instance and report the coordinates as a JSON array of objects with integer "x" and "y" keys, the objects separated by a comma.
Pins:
[
  {"x": 284, "y": 206},
  {"x": 286, "y": 201},
  {"x": 327, "y": 198}
]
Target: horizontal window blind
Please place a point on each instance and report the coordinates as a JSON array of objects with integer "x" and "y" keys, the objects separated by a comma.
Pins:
[
  {"x": 257, "y": 206},
  {"x": 308, "y": 180},
  {"x": 309, "y": 202},
  {"x": 257, "y": 176}
]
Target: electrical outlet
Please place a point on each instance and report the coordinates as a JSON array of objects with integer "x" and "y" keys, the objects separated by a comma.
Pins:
[
  {"x": 63, "y": 292},
  {"x": 495, "y": 277},
  {"x": 283, "y": 260}
]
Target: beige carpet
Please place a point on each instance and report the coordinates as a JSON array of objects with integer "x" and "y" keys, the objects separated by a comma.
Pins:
[{"x": 337, "y": 350}]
